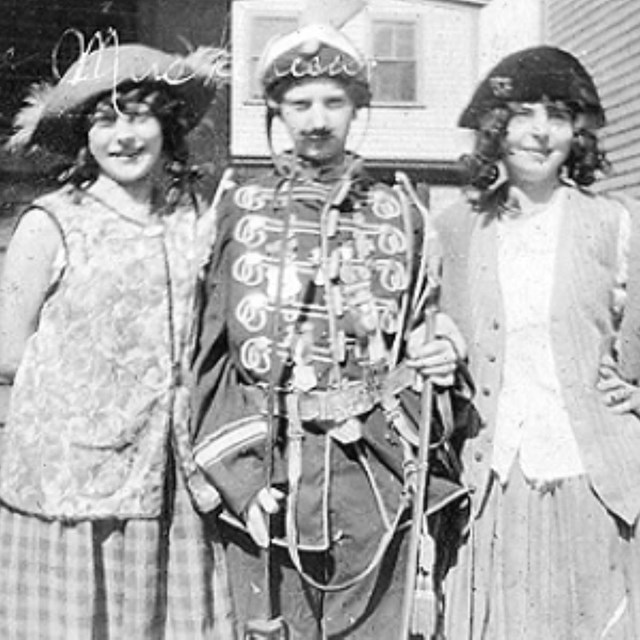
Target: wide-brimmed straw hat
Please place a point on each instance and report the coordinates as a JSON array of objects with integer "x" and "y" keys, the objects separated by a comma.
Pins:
[
  {"x": 313, "y": 51},
  {"x": 52, "y": 113},
  {"x": 530, "y": 75}
]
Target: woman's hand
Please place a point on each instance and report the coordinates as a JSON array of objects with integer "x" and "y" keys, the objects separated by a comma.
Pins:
[
  {"x": 266, "y": 502},
  {"x": 617, "y": 394},
  {"x": 437, "y": 359}
]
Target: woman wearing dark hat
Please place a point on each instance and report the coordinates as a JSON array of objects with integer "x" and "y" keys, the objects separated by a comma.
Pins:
[
  {"x": 533, "y": 269},
  {"x": 98, "y": 535}
]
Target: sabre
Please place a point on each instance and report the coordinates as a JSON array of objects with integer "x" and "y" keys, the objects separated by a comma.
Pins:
[
  {"x": 422, "y": 476},
  {"x": 272, "y": 627}
]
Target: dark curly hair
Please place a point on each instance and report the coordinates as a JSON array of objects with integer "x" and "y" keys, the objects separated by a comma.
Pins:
[
  {"x": 169, "y": 111},
  {"x": 584, "y": 161}
]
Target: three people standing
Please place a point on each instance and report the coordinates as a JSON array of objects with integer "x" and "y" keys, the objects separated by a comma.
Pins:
[{"x": 307, "y": 363}]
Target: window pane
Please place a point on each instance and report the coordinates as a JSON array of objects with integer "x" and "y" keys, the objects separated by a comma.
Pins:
[
  {"x": 407, "y": 79},
  {"x": 382, "y": 41},
  {"x": 394, "y": 82},
  {"x": 395, "y": 56},
  {"x": 263, "y": 28},
  {"x": 405, "y": 45}
]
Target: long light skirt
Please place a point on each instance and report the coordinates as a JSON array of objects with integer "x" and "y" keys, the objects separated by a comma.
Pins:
[
  {"x": 113, "y": 580},
  {"x": 545, "y": 565}
]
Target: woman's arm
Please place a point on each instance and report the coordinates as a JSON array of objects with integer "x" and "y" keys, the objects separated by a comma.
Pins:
[
  {"x": 26, "y": 278},
  {"x": 619, "y": 372}
]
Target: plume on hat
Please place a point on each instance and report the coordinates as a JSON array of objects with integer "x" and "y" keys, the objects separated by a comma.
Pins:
[
  {"x": 334, "y": 12},
  {"x": 27, "y": 119}
]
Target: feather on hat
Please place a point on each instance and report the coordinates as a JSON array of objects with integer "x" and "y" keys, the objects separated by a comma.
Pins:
[{"x": 51, "y": 112}]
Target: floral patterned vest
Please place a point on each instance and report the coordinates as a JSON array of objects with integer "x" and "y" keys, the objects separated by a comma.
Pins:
[{"x": 99, "y": 385}]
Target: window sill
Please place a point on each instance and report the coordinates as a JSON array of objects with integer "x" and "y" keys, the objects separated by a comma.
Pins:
[
  {"x": 399, "y": 105},
  {"x": 413, "y": 106}
]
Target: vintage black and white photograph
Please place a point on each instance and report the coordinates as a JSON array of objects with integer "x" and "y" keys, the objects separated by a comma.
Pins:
[{"x": 319, "y": 320}]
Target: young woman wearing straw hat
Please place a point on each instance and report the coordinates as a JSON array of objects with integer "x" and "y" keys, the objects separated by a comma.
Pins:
[{"x": 99, "y": 537}]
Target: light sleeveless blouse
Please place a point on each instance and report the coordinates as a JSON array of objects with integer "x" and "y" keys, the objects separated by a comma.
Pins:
[{"x": 100, "y": 389}]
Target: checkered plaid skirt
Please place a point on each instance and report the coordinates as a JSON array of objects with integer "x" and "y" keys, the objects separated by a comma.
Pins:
[{"x": 113, "y": 579}]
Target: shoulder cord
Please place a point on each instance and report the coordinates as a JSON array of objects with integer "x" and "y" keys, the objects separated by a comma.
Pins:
[
  {"x": 406, "y": 323},
  {"x": 334, "y": 198},
  {"x": 424, "y": 293},
  {"x": 326, "y": 217},
  {"x": 295, "y": 435},
  {"x": 273, "y": 382},
  {"x": 423, "y": 287}
]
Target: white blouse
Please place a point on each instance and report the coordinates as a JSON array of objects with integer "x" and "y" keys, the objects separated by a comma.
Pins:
[{"x": 532, "y": 420}]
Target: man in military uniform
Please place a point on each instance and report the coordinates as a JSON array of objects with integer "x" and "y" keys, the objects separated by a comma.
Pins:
[{"x": 309, "y": 353}]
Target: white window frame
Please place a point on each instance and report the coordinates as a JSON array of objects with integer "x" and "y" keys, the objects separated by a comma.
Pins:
[
  {"x": 253, "y": 17},
  {"x": 416, "y": 22}
]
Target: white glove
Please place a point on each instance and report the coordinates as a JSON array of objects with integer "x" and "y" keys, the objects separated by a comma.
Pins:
[{"x": 267, "y": 501}]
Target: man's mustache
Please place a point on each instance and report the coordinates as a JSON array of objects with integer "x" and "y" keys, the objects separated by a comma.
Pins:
[{"x": 317, "y": 133}]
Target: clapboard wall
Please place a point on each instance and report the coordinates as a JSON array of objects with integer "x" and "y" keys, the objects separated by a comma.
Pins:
[{"x": 605, "y": 36}]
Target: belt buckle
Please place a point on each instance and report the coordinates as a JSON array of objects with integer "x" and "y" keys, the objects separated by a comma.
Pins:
[
  {"x": 360, "y": 400},
  {"x": 348, "y": 431},
  {"x": 336, "y": 405},
  {"x": 337, "y": 408},
  {"x": 309, "y": 407}
]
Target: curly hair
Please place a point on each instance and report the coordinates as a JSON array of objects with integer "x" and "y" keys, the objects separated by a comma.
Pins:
[
  {"x": 584, "y": 161},
  {"x": 170, "y": 112}
]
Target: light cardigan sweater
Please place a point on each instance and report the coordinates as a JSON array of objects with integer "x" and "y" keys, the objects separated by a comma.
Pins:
[{"x": 581, "y": 332}]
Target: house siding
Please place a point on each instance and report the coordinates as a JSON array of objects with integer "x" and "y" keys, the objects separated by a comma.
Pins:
[{"x": 604, "y": 35}]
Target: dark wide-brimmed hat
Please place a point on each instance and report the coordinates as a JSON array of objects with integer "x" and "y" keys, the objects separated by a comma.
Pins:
[
  {"x": 52, "y": 112},
  {"x": 530, "y": 75},
  {"x": 313, "y": 51}
]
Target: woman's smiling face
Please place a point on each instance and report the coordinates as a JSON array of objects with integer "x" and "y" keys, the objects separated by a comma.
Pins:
[
  {"x": 126, "y": 140},
  {"x": 538, "y": 141}
]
